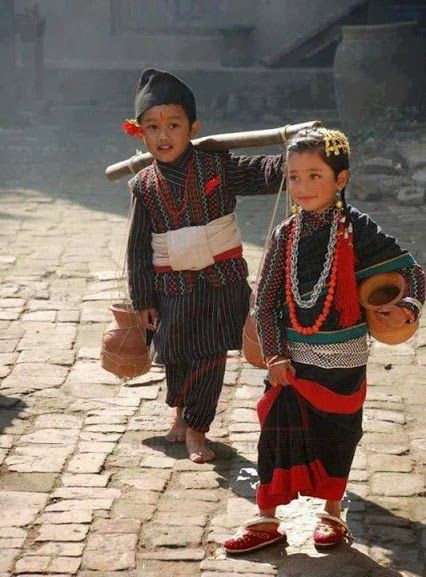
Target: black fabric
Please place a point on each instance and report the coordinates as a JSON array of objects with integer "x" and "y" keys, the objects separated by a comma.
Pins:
[
  {"x": 240, "y": 175},
  {"x": 195, "y": 386},
  {"x": 157, "y": 87},
  {"x": 296, "y": 433},
  {"x": 371, "y": 246},
  {"x": 202, "y": 323},
  {"x": 303, "y": 450}
]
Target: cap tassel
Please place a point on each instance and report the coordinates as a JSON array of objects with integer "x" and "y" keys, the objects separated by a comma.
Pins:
[{"x": 346, "y": 297}]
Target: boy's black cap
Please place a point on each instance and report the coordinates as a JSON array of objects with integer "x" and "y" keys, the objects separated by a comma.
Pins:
[{"x": 157, "y": 87}]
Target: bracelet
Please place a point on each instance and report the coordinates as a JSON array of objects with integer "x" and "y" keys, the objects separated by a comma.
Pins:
[
  {"x": 281, "y": 362},
  {"x": 269, "y": 360},
  {"x": 411, "y": 317},
  {"x": 414, "y": 302}
]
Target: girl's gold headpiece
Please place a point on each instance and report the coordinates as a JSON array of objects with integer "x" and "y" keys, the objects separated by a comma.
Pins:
[{"x": 334, "y": 142}]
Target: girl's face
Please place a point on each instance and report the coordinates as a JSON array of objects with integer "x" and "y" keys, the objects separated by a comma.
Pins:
[
  {"x": 312, "y": 184},
  {"x": 166, "y": 131}
]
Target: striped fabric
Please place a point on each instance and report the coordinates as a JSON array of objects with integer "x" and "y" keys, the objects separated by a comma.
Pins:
[
  {"x": 219, "y": 177},
  {"x": 201, "y": 313},
  {"x": 195, "y": 386},
  {"x": 202, "y": 323}
]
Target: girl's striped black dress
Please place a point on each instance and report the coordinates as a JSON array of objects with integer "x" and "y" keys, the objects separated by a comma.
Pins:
[{"x": 310, "y": 432}]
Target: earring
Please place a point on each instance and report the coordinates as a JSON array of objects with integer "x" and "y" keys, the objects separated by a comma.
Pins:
[{"x": 338, "y": 202}]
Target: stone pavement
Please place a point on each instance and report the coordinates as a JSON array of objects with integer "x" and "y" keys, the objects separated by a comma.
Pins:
[{"x": 88, "y": 486}]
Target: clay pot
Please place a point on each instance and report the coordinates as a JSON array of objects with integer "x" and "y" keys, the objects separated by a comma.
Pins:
[
  {"x": 384, "y": 289},
  {"x": 251, "y": 345},
  {"x": 124, "y": 351}
]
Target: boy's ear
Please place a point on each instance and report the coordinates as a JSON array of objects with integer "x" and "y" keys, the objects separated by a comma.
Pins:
[
  {"x": 141, "y": 134},
  {"x": 343, "y": 178},
  {"x": 196, "y": 125}
]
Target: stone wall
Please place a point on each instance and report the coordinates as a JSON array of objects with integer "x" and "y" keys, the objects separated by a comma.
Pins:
[
  {"x": 230, "y": 92},
  {"x": 86, "y": 34},
  {"x": 94, "y": 50},
  {"x": 281, "y": 24}
]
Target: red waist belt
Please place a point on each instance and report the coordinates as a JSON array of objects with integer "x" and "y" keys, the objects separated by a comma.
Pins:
[{"x": 236, "y": 252}]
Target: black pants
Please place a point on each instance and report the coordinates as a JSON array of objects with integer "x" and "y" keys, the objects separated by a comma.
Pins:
[{"x": 195, "y": 386}]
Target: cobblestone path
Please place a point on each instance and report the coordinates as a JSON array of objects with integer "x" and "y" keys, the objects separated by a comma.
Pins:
[{"x": 88, "y": 486}]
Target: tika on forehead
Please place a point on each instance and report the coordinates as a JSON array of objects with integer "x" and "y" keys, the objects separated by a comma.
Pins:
[{"x": 334, "y": 142}]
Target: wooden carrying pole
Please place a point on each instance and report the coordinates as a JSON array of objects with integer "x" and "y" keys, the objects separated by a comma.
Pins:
[{"x": 215, "y": 142}]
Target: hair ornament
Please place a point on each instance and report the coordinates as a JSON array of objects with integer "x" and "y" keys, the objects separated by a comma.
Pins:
[{"x": 334, "y": 142}]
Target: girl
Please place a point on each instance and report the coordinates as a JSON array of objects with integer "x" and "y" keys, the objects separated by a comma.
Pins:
[{"x": 314, "y": 338}]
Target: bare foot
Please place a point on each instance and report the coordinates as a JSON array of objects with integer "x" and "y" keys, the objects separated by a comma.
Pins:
[
  {"x": 197, "y": 448},
  {"x": 177, "y": 433}
]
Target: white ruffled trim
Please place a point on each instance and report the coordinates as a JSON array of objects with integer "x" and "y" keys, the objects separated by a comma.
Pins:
[{"x": 325, "y": 515}]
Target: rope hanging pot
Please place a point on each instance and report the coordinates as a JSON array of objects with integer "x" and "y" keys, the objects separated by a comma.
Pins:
[
  {"x": 124, "y": 351},
  {"x": 252, "y": 349}
]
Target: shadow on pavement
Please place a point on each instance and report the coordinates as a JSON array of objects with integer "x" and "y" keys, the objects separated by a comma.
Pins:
[
  {"x": 9, "y": 409},
  {"x": 371, "y": 525},
  {"x": 224, "y": 453},
  {"x": 342, "y": 561}
]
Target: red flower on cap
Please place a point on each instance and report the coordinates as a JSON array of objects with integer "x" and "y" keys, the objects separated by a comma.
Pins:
[{"x": 132, "y": 128}]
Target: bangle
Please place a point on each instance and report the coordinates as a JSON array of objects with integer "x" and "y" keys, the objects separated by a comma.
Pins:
[
  {"x": 412, "y": 301},
  {"x": 283, "y": 362},
  {"x": 270, "y": 360},
  {"x": 411, "y": 317}
]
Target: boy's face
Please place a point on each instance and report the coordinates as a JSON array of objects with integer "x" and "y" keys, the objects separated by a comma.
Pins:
[
  {"x": 166, "y": 131},
  {"x": 312, "y": 183}
]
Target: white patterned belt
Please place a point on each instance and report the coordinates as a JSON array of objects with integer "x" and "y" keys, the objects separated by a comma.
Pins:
[{"x": 350, "y": 354}]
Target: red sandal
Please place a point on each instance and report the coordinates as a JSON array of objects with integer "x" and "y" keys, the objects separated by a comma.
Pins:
[
  {"x": 329, "y": 530},
  {"x": 247, "y": 539}
]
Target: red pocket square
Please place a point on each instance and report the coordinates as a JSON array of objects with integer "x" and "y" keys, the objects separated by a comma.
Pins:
[{"x": 212, "y": 184}]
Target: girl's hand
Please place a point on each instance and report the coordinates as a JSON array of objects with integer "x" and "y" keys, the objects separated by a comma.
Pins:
[
  {"x": 277, "y": 374},
  {"x": 148, "y": 319},
  {"x": 392, "y": 315}
]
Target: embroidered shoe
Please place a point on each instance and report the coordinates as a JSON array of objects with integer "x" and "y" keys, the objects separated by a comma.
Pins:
[
  {"x": 247, "y": 539},
  {"x": 329, "y": 530}
]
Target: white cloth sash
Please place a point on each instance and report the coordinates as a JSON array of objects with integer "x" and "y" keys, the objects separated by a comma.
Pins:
[{"x": 194, "y": 247}]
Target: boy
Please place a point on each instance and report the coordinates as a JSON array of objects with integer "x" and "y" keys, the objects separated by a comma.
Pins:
[{"x": 186, "y": 272}]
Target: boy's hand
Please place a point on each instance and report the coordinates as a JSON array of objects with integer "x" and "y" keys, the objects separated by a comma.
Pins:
[
  {"x": 277, "y": 374},
  {"x": 392, "y": 315},
  {"x": 148, "y": 319}
]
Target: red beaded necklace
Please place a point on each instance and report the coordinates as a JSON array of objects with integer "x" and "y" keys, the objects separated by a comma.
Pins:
[
  {"x": 310, "y": 330},
  {"x": 165, "y": 193}
]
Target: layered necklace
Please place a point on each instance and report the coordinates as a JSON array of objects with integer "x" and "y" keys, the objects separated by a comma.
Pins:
[
  {"x": 165, "y": 192},
  {"x": 329, "y": 271}
]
